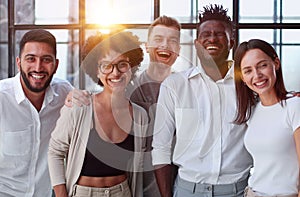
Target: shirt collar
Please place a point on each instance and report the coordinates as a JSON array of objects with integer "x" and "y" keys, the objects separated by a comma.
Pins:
[
  {"x": 19, "y": 93},
  {"x": 199, "y": 70},
  {"x": 230, "y": 73}
]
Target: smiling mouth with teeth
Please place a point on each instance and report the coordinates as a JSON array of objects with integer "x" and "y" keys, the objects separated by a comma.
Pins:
[
  {"x": 115, "y": 80},
  {"x": 37, "y": 76},
  {"x": 164, "y": 54},
  {"x": 260, "y": 83},
  {"x": 212, "y": 48}
]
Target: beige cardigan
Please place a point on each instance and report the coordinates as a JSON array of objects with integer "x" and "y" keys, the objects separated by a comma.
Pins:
[{"x": 69, "y": 140}]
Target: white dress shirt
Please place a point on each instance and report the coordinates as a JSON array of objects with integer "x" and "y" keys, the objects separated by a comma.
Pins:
[
  {"x": 24, "y": 138},
  {"x": 209, "y": 147}
]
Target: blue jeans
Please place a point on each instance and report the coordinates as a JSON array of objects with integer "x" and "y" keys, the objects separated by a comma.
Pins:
[{"x": 184, "y": 188}]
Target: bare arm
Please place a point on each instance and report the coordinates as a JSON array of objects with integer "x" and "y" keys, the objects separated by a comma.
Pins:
[
  {"x": 60, "y": 190},
  {"x": 296, "y": 94},
  {"x": 77, "y": 97},
  {"x": 297, "y": 142},
  {"x": 164, "y": 179}
]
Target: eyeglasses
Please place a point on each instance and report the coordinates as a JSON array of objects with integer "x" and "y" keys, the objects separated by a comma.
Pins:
[{"x": 122, "y": 67}]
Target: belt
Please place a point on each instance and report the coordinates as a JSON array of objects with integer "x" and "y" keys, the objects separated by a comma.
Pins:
[{"x": 218, "y": 188}]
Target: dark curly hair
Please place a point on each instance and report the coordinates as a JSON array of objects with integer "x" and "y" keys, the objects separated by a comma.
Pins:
[
  {"x": 99, "y": 45},
  {"x": 215, "y": 12}
]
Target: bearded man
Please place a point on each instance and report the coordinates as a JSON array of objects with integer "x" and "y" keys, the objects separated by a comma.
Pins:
[{"x": 30, "y": 104}]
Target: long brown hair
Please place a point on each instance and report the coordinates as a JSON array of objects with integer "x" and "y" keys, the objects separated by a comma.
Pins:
[{"x": 246, "y": 98}]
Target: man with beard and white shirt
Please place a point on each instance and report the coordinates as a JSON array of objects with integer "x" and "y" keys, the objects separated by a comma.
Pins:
[{"x": 30, "y": 106}]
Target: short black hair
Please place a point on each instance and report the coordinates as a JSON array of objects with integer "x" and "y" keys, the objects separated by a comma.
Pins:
[
  {"x": 215, "y": 12},
  {"x": 38, "y": 35}
]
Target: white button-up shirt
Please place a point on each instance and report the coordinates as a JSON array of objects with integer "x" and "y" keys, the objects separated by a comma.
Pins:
[
  {"x": 209, "y": 147},
  {"x": 24, "y": 138}
]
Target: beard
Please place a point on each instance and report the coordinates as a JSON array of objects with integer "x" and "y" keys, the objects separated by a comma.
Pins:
[{"x": 30, "y": 87}]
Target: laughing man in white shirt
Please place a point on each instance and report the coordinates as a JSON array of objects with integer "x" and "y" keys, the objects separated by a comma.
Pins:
[
  {"x": 200, "y": 104},
  {"x": 30, "y": 104}
]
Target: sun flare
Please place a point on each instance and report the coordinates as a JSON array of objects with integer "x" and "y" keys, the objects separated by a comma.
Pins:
[{"x": 102, "y": 13}]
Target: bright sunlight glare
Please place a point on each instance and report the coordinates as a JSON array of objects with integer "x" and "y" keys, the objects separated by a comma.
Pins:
[{"x": 102, "y": 12}]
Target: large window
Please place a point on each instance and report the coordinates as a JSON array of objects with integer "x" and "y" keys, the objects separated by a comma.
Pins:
[{"x": 72, "y": 21}]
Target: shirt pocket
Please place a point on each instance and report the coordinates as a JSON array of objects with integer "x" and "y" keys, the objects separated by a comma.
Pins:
[{"x": 16, "y": 143}]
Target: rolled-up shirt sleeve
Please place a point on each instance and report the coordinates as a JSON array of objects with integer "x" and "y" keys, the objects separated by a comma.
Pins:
[{"x": 164, "y": 126}]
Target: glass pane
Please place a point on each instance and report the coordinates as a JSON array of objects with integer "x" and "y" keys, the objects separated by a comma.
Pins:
[
  {"x": 3, "y": 21},
  {"x": 290, "y": 67},
  {"x": 3, "y": 61},
  {"x": 65, "y": 13},
  {"x": 46, "y": 12},
  {"x": 290, "y": 12},
  {"x": 188, "y": 56},
  {"x": 290, "y": 57},
  {"x": 184, "y": 15},
  {"x": 264, "y": 34},
  {"x": 106, "y": 12},
  {"x": 291, "y": 36},
  {"x": 24, "y": 12},
  {"x": 250, "y": 12},
  {"x": 3, "y": 39},
  {"x": 67, "y": 52}
]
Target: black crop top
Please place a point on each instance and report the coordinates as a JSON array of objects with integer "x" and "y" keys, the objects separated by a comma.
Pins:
[{"x": 106, "y": 159}]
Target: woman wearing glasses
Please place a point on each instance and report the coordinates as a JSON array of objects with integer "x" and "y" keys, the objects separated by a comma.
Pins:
[{"x": 95, "y": 150}]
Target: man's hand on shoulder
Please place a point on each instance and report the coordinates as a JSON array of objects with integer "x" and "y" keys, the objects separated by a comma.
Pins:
[{"x": 78, "y": 97}]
